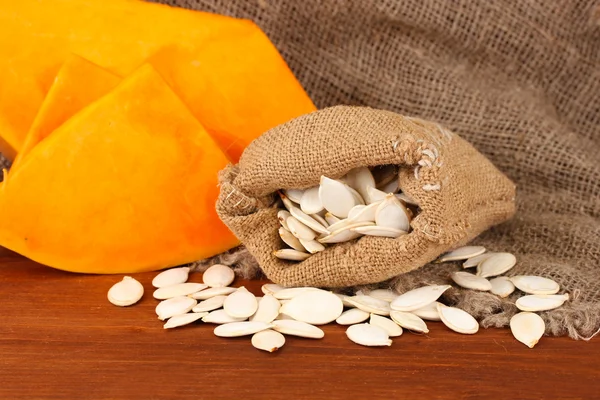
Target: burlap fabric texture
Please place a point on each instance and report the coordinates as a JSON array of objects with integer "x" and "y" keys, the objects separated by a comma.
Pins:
[
  {"x": 459, "y": 191},
  {"x": 518, "y": 80}
]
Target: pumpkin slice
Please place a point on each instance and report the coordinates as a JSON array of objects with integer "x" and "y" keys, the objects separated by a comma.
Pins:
[
  {"x": 128, "y": 184},
  {"x": 78, "y": 83},
  {"x": 120, "y": 35}
]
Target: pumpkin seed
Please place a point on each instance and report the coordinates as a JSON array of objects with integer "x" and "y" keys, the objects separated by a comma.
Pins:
[
  {"x": 240, "y": 304},
  {"x": 355, "y": 210},
  {"x": 368, "y": 335},
  {"x": 475, "y": 261},
  {"x": 344, "y": 234},
  {"x": 320, "y": 220},
  {"x": 171, "y": 277},
  {"x": 370, "y": 304},
  {"x": 287, "y": 203},
  {"x": 220, "y": 317},
  {"x": 361, "y": 179},
  {"x": 470, "y": 281},
  {"x": 406, "y": 199},
  {"x": 174, "y": 306},
  {"x": 209, "y": 304},
  {"x": 283, "y": 316},
  {"x": 462, "y": 253},
  {"x": 383, "y": 294},
  {"x": 336, "y": 197},
  {"x": 310, "y": 203},
  {"x": 429, "y": 312},
  {"x": 270, "y": 288},
  {"x": 218, "y": 275},
  {"x": 282, "y": 216},
  {"x": 294, "y": 195},
  {"x": 392, "y": 328},
  {"x": 236, "y": 329},
  {"x": 291, "y": 240},
  {"x": 212, "y": 292},
  {"x": 181, "y": 289},
  {"x": 541, "y": 302},
  {"x": 344, "y": 300},
  {"x": 268, "y": 340},
  {"x": 291, "y": 254},
  {"x": 409, "y": 321},
  {"x": 364, "y": 213},
  {"x": 381, "y": 231},
  {"x": 535, "y": 284},
  {"x": 352, "y": 316},
  {"x": 288, "y": 293},
  {"x": 527, "y": 328},
  {"x": 312, "y": 246},
  {"x": 300, "y": 230},
  {"x": 268, "y": 309},
  {"x": 502, "y": 286},
  {"x": 297, "y": 328},
  {"x": 497, "y": 264},
  {"x": 375, "y": 195},
  {"x": 316, "y": 307},
  {"x": 183, "y": 319},
  {"x": 307, "y": 220},
  {"x": 390, "y": 187},
  {"x": 331, "y": 219},
  {"x": 125, "y": 292},
  {"x": 458, "y": 320},
  {"x": 357, "y": 197},
  {"x": 418, "y": 298}
]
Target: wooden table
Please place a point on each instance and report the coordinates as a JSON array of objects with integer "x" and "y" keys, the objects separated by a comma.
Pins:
[{"x": 60, "y": 338}]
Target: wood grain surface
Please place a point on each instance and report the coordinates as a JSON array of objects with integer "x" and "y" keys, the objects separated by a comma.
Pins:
[{"x": 61, "y": 339}]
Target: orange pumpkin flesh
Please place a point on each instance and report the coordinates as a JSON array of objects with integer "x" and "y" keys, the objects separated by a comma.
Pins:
[
  {"x": 78, "y": 83},
  {"x": 234, "y": 81},
  {"x": 128, "y": 184}
]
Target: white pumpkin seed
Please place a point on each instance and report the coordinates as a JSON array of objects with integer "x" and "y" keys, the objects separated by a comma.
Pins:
[
  {"x": 288, "y": 293},
  {"x": 268, "y": 340},
  {"x": 355, "y": 210},
  {"x": 475, "y": 261},
  {"x": 311, "y": 202},
  {"x": 300, "y": 230},
  {"x": 392, "y": 328},
  {"x": 357, "y": 197},
  {"x": 383, "y": 294},
  {"x": 291, "y": 240},
  {"x": 418, "y": 298},
  {"x": 270, "y": 288},
  {"x": 409, "y": 321},
  {"x": 331, "y": 219},
  {"x": 308, "y": 221},
  {"x": 183, "y": 319},
  {"x": 470, "y": 281},
  {"x": 429, "y": 312},
  {"x": 370, "y": 304},
  {"x": 291, "y": 254},
  {"x": 541, "y": 302},
  {"x": 212, "y": 292},
  {"x": 297, "y": 328},
  {"x": 458, "y": 320},
  {"x": 365, "y": 213},
  {"x": 390, "y": 187},
  {"x": 126, "y": 292},
  {"x": 462, "y": 253},
  {"x": 336, "y": 197},
  {"x": 528, "y": 328},
  {"x": 268, "y": 309},
  {"x": 381, "y": 231},
  {"x": 287, "y": 203},
  {"x": 220, "y": 317},
  {"x": 341, "y": 224},
  {"x": 502, "y": 286},
  {"x": 344, "y": 300},
  {"x": 495, "y": 265},
  {"x": 352, "y": 316},
  {"x": 316, "y": 307},
  {"x": 375, "y": 195},
  {"x": 283, "y": 316},
  {"x": 210, "y": 304},
  {"x": 361, "y": 179},
  {"x": 236, "y": 329},
  {"x": 312, "y": 246},
  {"x": 218, "y": 275},
  {"x": 171, "y": 277},
  {"x": 406, "y": 199},
  {"x": 344, "y": 234},
  {"x": 320, "y": 220},
  {"x": 535, "y": 284},
  {"x": 294, "y": 195},
  {"x": 282, "y": 216},
  {"x": 241, "y": 303},
  {"x": 181, "y": 289},
  {"x": 174, "y": 306},
  {"x": 368, "y": 335}
]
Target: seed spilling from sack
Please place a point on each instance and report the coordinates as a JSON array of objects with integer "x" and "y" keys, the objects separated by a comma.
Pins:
[{"x": 340, "y": 210}]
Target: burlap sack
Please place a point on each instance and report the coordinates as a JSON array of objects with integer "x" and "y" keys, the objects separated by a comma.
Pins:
[{"x": 459, "y": 191}]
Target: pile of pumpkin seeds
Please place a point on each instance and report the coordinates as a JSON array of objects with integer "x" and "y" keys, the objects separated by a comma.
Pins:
[
  {"x": 363, "y": 202},
  {"x": 373, "y": 318}
]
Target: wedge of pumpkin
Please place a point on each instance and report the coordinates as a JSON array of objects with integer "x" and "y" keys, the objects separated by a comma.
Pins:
[
  {"x": 225, "y": 69},
  {"x": 127, "y": 184}
]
